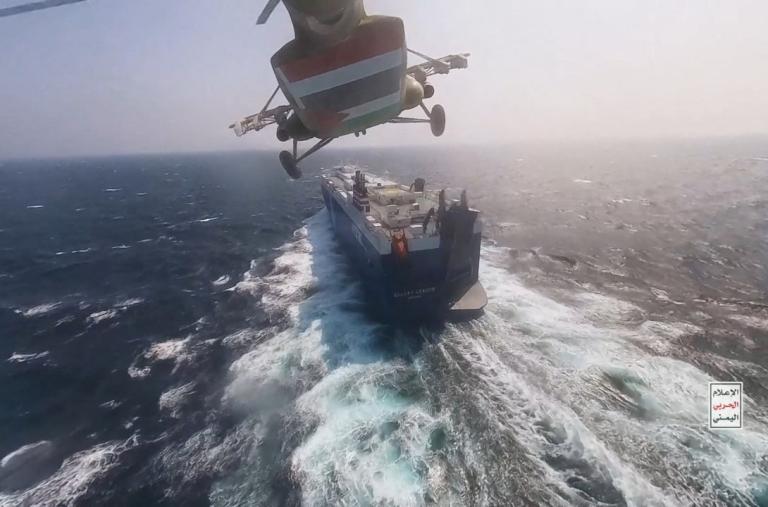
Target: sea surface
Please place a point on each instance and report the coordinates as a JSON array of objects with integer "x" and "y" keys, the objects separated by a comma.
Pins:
[{"x": 184, "y": 330}]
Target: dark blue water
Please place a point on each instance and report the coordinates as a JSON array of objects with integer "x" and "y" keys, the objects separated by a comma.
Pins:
[
  {"x": 184, "y": 330},
  {"x": 100, "y": 259}
]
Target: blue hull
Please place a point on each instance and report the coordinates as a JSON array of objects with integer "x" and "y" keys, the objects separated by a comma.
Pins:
[{"x": 416, "y": 288}]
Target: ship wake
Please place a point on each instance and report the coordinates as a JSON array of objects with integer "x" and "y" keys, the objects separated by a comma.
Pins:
[{"x": 547, "y": 398}]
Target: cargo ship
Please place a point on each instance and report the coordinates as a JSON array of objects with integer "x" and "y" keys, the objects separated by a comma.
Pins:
[{"x": 417, "y": 252}]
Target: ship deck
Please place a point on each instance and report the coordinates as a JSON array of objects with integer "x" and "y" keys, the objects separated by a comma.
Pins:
[{"x": 390, "y": 206}]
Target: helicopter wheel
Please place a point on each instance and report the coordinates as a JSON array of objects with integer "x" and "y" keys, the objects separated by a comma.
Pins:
[
  {"x": 282, "y": 135},
  {"x": 437, "y": 120},
  {"x": 288, "y": 162},
  {"x": 429, "y": 91}
]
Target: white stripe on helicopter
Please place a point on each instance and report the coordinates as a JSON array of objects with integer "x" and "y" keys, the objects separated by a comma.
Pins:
[
  {"x": 281, "y": 76},
  {"x": 347, "y": 74},
  {"x": 372, "y": 106}
]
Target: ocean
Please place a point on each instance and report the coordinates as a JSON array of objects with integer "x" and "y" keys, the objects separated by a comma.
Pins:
[{"x": 184, "y": 330}]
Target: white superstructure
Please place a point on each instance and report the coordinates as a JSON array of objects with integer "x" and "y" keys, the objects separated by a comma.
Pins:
[{"x": 388, "y": 209}]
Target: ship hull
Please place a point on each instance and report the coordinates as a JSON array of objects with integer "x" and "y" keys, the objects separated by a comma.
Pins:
[{"x": 414, "y": 288}]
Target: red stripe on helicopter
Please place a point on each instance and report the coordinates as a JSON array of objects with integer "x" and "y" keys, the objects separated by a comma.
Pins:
[{"x": 369, "y": 40}]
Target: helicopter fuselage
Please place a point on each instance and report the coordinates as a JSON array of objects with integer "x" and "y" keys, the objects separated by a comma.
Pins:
[{"x": 349, "y": 86}]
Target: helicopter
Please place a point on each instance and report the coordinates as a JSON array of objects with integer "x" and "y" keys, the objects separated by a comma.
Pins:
[{"x": 344, "y": 72}]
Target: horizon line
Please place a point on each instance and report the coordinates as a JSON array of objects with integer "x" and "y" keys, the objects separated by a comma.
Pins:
[{"x": 485, "y": 145}]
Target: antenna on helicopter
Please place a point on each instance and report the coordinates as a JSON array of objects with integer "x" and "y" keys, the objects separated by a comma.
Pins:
[
  {"x": 267, "y": 12},
  {"x": 34, "y": 6}
]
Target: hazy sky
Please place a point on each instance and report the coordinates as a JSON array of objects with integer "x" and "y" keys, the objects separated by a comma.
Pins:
[{"x": 126, "y": 76}]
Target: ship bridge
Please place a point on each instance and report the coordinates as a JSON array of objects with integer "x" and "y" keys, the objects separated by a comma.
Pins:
[{"x": 388, "y": 206}]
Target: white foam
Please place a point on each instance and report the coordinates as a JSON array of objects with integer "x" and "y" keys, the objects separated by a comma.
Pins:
[
  {"x": 203, "y": 455},
  {"x": 27, "y": 358},
  {"x": 370, "y": 438},
  {"x": 549, "y": 358},
  {"x": 175, "y": 350},
  {"x": 171, "y": 349},
  {"x": 107, "y": 315},
  {"x": 291, "y": 277},
  {"x": 606, "y": 310},
  {"x": 751, "y": 321},
  {"x": 243, "y": 337},
  {"x": 581, "y": 366},
  {"x": 21, "y": 451},
  {"x": 325, "y": 353},
  {"x": 173, "y": 400},
  {"x": 663, "y": 296},
  {"x": 127, "y": 303},
  {"x": 39, "y": 310},
  {"x": 102, "y": 316},
  {"x": 73, "y": 479},
  {"x": 35, "y": 206},
  {"x": 222, "y": 280},
  {"x": 139, "y": 373},
  {"x": 65, "y": 320}
]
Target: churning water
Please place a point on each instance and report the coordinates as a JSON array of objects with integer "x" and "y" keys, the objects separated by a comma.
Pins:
[{"x": 186, "y": 330}]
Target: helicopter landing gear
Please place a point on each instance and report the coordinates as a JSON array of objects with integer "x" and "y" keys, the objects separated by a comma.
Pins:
[
  {"x": 436, "y": 119},
  {"x": 290, "y": 162}
]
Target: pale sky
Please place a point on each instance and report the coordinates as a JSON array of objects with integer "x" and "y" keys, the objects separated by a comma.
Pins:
[{"x": 137, "y": 76}]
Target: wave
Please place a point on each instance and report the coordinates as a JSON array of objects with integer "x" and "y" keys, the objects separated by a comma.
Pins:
[
  {"x": 576, "y": 385},
  {"x": 173, "y": 400},
  {"x": 222, "y": 280},
  {"x": 74, "y": 478},
  {"x": 102, "y": 316},
  {"x": 27, "y": 358},
  {"x": 127, "y": 303},
  {"x": 40, "y": 310},
  {"x": 178, "y": 351},
  {"x": 558, "y": 398}
]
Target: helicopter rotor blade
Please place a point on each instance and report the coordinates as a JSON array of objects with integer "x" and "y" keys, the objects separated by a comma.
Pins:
[
  {"x": 34, "y": 6},
  {"x": 267, "y": 12}
]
